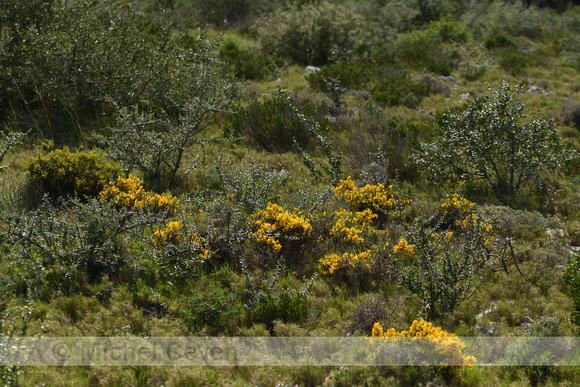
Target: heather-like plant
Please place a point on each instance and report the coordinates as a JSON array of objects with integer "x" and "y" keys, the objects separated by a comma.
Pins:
[{"x": 491, "y": 140}]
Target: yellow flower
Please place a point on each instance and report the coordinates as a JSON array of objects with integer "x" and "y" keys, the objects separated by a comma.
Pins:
[{"x": 404, "y": 248}]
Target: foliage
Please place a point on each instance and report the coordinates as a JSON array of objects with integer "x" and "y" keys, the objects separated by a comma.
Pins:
[
  {"x": 51, "y": 249},
  {"x": 443, "y": 263},
  {"x": 434, "y": 343},
  {"x": 247, "y": 64},
  {"x": 571, "y": 279},
  {"x": 288, "y": 306},
  {"x": 62, "y": 173},
  {"x": 418, "y": 46},
  {"x": 315, "y": 34},
  {"x": 487, "y": 140},
  {"x": 273, "y": 124}
]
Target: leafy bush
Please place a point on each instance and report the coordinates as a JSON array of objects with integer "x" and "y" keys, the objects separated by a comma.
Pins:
[
  {"x": 274, "y": 125},
  {"x": 418, "y": 47},
  {"x": 315, "y": 34},
  {"x": 487, "y": 141},
  {"x": 395, "y": 87},
  {"x": 62, "y": 173},
  {"x": 247, "y": 65}
]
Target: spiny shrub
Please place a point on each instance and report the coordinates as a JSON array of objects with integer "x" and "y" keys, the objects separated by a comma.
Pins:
[
  {"x": 443, "y": 264},
  {"x": 377, "y": 198},
  {"x": 180, "y": 252},
  {"x": 274, "y": 225},
  {"x": 432, "y": 345},
  {"x": 65, "y": 173},
  {"x": 314, "y": 34},
  {"x": 273, "y": 123},
  {"x": 130, "y": 193},
  {"x": 359, "y": 231}
]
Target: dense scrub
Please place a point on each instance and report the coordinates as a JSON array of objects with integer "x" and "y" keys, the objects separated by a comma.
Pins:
[{"x": 163, "y": 180}]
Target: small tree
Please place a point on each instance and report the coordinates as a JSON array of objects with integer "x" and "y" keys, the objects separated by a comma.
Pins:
[{"x": 490, "y": 140}]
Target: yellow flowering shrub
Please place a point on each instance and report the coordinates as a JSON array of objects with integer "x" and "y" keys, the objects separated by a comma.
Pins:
[
  {"x": 446, "y": 347},
  {"x": 331, "y": 263},
  {"x": 374, "y": 197},
  {"x": 404, "y": 248},
  {"x": 274, "y": 223},
  {"x": 129, "y": 192},
  {"x": 173, "y": 234},
  {"x": 455, "y": 203}
]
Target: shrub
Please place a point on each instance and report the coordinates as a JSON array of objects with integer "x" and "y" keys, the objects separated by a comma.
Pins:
[
  {"x": 247, "y": 65},
  {"x": 62, "y": 173},
  {"x": 435, "y": 344},
  {"x": 288, "y": 306},
  {"x": 281, "y": 232},
  {"x": 418, "y": 46},
  {"x": 487, "y": 141},
  {"x": 274, "y": 125},
  {"x": 442, "y": 263},
  {"x": 315, "y": 34},
  {"x": 130, "y": 193}
]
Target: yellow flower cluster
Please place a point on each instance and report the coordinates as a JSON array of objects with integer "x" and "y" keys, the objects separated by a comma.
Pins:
[
  {"x": 455, "y": 203},
  {"x": 442, "y": 342},
  {"x": 471, "y": 222},
  {"x": 275, "y": 220},
  {"x": 374, "y": 197},
  {"x": 347, "y": 222},
  {"x": 404, "y": 248},
  {"x": 334, "y": 262},
  {"x": 130, "y": 193},
  {"x": 173, "y": 234}
]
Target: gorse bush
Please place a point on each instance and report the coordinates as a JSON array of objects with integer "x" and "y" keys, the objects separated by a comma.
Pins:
[
  {"x": 65, "y": 173},
  {"x": 433, "y": 345},
  {"x": 129, "y": 193},
  {"x": 445, "y": 263},
  {"x": 315, "y": 34}
]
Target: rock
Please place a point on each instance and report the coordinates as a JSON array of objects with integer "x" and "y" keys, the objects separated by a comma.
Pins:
[
  {"x": 484, "y": 331},
  {"x": 555, "y": 232},
  {"x": 448, "y": 78},
  {"x": 420, "y": 111},
  {"x": 465, "y": 96},
  {"x": 534, "y": 89},
  {"x": 312, "y": 69}
]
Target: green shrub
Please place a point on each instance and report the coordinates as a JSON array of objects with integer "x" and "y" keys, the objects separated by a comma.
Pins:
[
  {"x": 65, "y": 173},
  {"x": 273, "y": 124},
  {"x": 288, "y": 306},
  {"x": 499, "y": 41},
  {"x": 395, "y": 87},
  {"x": 435, "y": 47},
  {"x": 247, "y": 65},
  {"x": 314, "y": 34},
  {"x": 490, "y": 141}
]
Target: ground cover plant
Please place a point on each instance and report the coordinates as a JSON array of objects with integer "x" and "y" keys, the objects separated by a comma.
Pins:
[{"x": 297, "y": 168}]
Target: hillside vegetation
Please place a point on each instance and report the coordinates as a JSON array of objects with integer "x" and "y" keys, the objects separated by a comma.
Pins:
[{"x": 301, "y": 168}]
